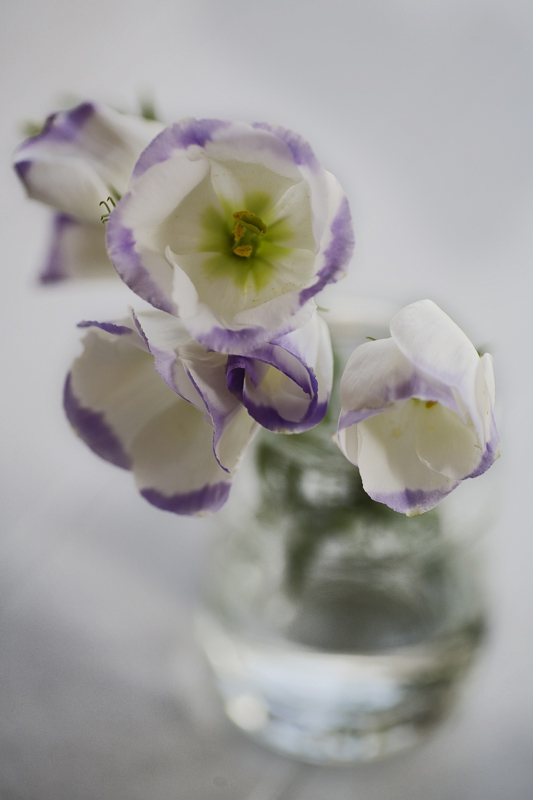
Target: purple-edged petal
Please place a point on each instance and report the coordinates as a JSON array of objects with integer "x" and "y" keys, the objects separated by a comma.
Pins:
[
  {"x": 285, "y": 385},
  {"x": 412, "y": 502},
  {"x": 77, "y": 250},
  {"x": 384, "y": 448},
  {"x": 435, "y": 345},
  {"x": 115, "y": 378},
  {"x": 152, "y": 285},
  {"x": 93, "y": 428},
  {"x": 173, "y": 237},
  {"x": 336, "y": 243},
  {"x": 200, "y": 377},
  {"x": 81, "y": 156},
  {"x": 166, "y": 338},
  {"x": 378, "y": 377},
  {"x": 174, "y": 465},
  {"x": 492, "y": 450},
  {"x": 128, "y": 414}
]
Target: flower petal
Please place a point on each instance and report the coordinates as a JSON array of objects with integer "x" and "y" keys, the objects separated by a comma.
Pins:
[
  {"x": 200, "y": 377},
  {"x": 379, "y": 377},
  {"x": 81, "y": 156},
  {"x": 337, "y": 241},
  {"x": 92, "y": 426},
  {"x": 174, "y": 465},
  {"x": 285, "y": 385},
  {"x": 127, "y": 414},
  {"x": 434, "y": 344},
  {"x": 77, "y": 250},
  {"x": 383, "y": 446},
  {"x": 165, "y": 337},
  {"x": 273, "y": 318},
  {"x": 445, "y": 443},
  {"x": 115, "y": 378}
]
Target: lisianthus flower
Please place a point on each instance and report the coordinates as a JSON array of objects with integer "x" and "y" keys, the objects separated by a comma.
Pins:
[
  {"x": 233, "y": 227},
  {"x": 417, "y": 410},
  {"x": 146, "y": 397},
  {"x": 285, "y": 384},
  {"x": 81, "y": 160}
]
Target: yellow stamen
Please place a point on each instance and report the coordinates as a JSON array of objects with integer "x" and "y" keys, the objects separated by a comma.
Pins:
[
  {"x": 238, "y": 231},
  {"x": 249, "y": 228},
  {"x": 431, "y": 403},
  {"x": 244, "y": 250},
  {"x": 249, "y": 218}
]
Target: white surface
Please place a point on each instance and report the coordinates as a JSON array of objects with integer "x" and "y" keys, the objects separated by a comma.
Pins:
[{"x": 423, "y": 111}]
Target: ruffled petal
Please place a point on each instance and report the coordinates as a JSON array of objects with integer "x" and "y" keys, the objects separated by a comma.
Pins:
[
  {"x": 81, "y": 156},
  {"x": 77, "y": 250},
  {"x": 115, "y": 379},
  {"x": 126, "y": 413},
  {"x": 165, "y": 338},
  {"x": 200, "y": 377},
  {"x": 286, "y": 384}
]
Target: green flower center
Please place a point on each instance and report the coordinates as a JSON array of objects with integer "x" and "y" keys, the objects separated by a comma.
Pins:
[{"x": 244, "y": 247}]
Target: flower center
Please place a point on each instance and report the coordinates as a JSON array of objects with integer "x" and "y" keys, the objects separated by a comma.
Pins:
[{"x": 247, "y": 233}]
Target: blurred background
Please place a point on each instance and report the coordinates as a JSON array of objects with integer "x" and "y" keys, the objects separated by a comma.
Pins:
[{"x": 424, "y": 112}]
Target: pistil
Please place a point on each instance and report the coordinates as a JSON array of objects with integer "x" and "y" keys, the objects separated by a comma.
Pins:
[{"x": 248, "y": 230}]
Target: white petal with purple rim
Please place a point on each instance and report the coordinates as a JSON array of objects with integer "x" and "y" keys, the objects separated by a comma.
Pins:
[
  {"x": 174, "y": 238},
  {"x": 378, "y": 377},
  {"x": 81, "y": 156},
  {"x": 74, "y": 188},
  {"x": 285, "y": 385},
  {"x": 200, "y": 377},
  {"x": 115, "y": 377},
  {"x": 173, "y": 462},
  {"x": 383, "y": 447},
  {"x": 77, "y": 250},
  {"x": 434, "y": 344},
  {"x": 129, "y": 415},
  {"x": 165, "y": 337}
]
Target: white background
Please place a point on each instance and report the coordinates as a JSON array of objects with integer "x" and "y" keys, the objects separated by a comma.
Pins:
[{"x": 423, "y": 109}]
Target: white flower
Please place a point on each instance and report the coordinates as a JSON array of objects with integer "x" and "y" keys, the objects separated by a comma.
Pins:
[
  {"x": 146, "y": 397},
  {"x": 79, "y": 160},
  {"x": 417, "y": 410},
  {"x": 232, "y": 227}
]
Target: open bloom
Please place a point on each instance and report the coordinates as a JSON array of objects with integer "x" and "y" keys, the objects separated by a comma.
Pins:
[
  {"x": 232, "y": 227},
  {"x": 176, "y": 426},
  {"x": 417, "y": 410},
  {"x": 79, "y": 160},
  {"x": 285, "y": 384}
]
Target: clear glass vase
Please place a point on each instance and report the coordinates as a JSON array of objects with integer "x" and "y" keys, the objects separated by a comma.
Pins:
[{"x": 337, "y": 630}]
